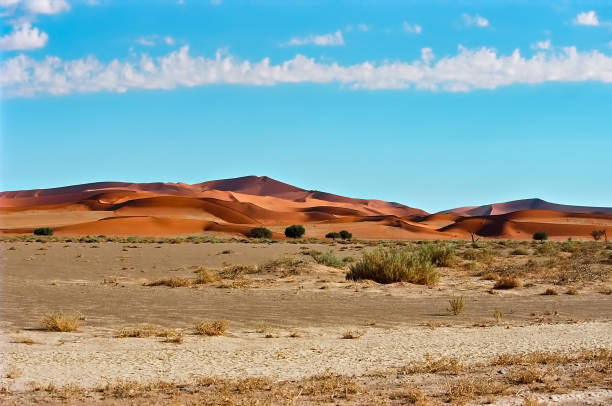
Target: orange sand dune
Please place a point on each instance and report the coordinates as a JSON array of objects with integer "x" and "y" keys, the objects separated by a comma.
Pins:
[
  {"x": 522, "y": 224},
  {"x": 525, "y": 204},
  {"x": 234, "y": 206}
]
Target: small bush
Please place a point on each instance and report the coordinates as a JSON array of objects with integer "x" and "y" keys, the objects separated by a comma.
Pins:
[
  {"x": 345, "y": 235},
  {"x": 551, "y": 292},
  {"x": 260, "y": 232},
  {"x": 508, "y": 283},
  {"x": 597, "y": 234},
  {"x": 438, "y": 254},
  {"x": 351, "y": 335},
  {"x": 519, "y": 251},
  {"x": 294, "y": 231},
  {"x": 59, "y": 321},
  {"x": 205, "y": 276},
  {"x": 455, "y": 305},
  {"x": 211, "y": 328},
  {"x": 333, "y": 235},
  {"x": 43, "y": 231},
  {"x": 327, "y": 258},
  {"x": 540, "y": 236},
  {"x": 394, "y": 265}
]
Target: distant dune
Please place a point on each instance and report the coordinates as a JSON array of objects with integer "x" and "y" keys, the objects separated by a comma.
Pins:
[
  {"x": 525, "y": 204},
  {"x": 234, "y": 206}
]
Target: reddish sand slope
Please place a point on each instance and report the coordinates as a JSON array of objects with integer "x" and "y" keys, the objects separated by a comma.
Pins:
[
  {"x": 234, "y": 206},
  {"x": 522, "y": 224},
  {"x": 525, "y": 204}
]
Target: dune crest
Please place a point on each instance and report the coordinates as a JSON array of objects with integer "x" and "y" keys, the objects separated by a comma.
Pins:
[{"x": 234, "y": 206}]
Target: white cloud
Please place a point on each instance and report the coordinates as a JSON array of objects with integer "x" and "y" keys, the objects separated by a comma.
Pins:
[
  {"x": 23, "y": 37},
  {"x": 541, "y": 45},
  {"x": 148, "y": 41},
  {"x": 468, "y": 69},
  {"x": 46, "y": 6},
  {"x": 153, "y": 40},
  {"x": 332, "y": 39},
  {"x": 9, "y": 3},
  {"x": 587, "y": 18},
  {"x": 216, "y": 2},
  {"x": 474, "y": 20},
  {"x": 363, "y": 27},
  {"x": 412, "y": 28}
]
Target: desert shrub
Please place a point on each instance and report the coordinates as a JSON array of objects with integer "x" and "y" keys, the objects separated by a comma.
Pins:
[
  {"x": 206, "y": 276},
  {"x": 519, "y": 251},
  {"x": 455, "y": 305},
  {"x": 327, "y": 258},
  {"x": 294, "y": 231},
  {"x": 260, "y": 232},
  {"x": 333, "y": 235},
  {"x": 438, "y": 254},
  {"x": 569, "y": 246},
  {"x": 211, "y": 328},
  {"x": 173, "y": 282},
  {"x": 547, "y": 248},
  {"x": 59, "y": 321},
  {"x": 394, "y": 265},
  {"x": 508, "y": 283},
  {"x": 540, "y": 236},
  {"x": 345, "y": 235},
  {"x": 597, "y": 234},
  {"x": 551, "y": 292},
  {"x": 43, "y": 231}
]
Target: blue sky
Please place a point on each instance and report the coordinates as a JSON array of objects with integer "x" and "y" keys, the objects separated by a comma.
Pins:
[{"x": 434, "y": 104}]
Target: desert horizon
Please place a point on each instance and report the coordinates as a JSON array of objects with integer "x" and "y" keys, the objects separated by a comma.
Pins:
[{"x": 234, "y": 206}]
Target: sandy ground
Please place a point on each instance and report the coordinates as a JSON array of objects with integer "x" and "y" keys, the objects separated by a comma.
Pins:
[{"x": 399, "y": 324}]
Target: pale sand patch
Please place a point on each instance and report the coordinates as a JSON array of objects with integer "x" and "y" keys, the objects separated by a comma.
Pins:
[{"x": 87, "y": 360}]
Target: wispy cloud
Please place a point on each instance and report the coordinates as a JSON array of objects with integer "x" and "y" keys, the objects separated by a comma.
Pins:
[
  {"x": 153, "y": 40},
  {"x": 587, "y": 18},
  {"x": 467, "y": 70},
  {"x": 23, "y": 37},
  {"x": 412, "y": 28},
  {"x": 333, "y": 39},
  {"x": 363, "y": 27},
  {"x": 475, "y": 20},
  {"x": 545, "y": 44}
]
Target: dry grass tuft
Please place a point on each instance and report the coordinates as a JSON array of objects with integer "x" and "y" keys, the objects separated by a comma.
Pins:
[
  {"x": 25, "y": 340},
  {"x": 533, "y": 402},
  {"x": 351, "y": 334},
  {"x": 59, "y": 321},
  {"x": 527, "y": 375},
  {"x": 490, "y": 276},
  {"x": 456, "y": 305},
  {"x": 331, "y": 385},
  {"x": 572, "y": 291},
  {"x": 175, "y": 337},
  {"x": 508, "y": 283},
  {"x": 144, "y": 331},
  {"x": 551, "y": 292},
  {"x": 206, "y": 276},
  {"x": 433, "y": 366},
  {"x": 463, "y": 390},
  {"x": 211, "y": 328},
  {"x": 173, "y": 282}
]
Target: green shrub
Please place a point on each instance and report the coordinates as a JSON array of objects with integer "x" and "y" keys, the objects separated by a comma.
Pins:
[
  {"x": 327, "y": 258},
  {"x": 395, "y": 265},
  {"x": 438, "y": 254},
  {"x": 260, "y": 232},
  {"x": 294, "y": 231},
  {"x": 569, "y": 246},
  {"x": 547, "y": 248},
  {"x": 43, "y": 231},
  {"x": 333, "y": 235},
  {"x": 540, "y": 236},
  {"x": 345, "y": 235},
  {"x": 597, "y": 234}
]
